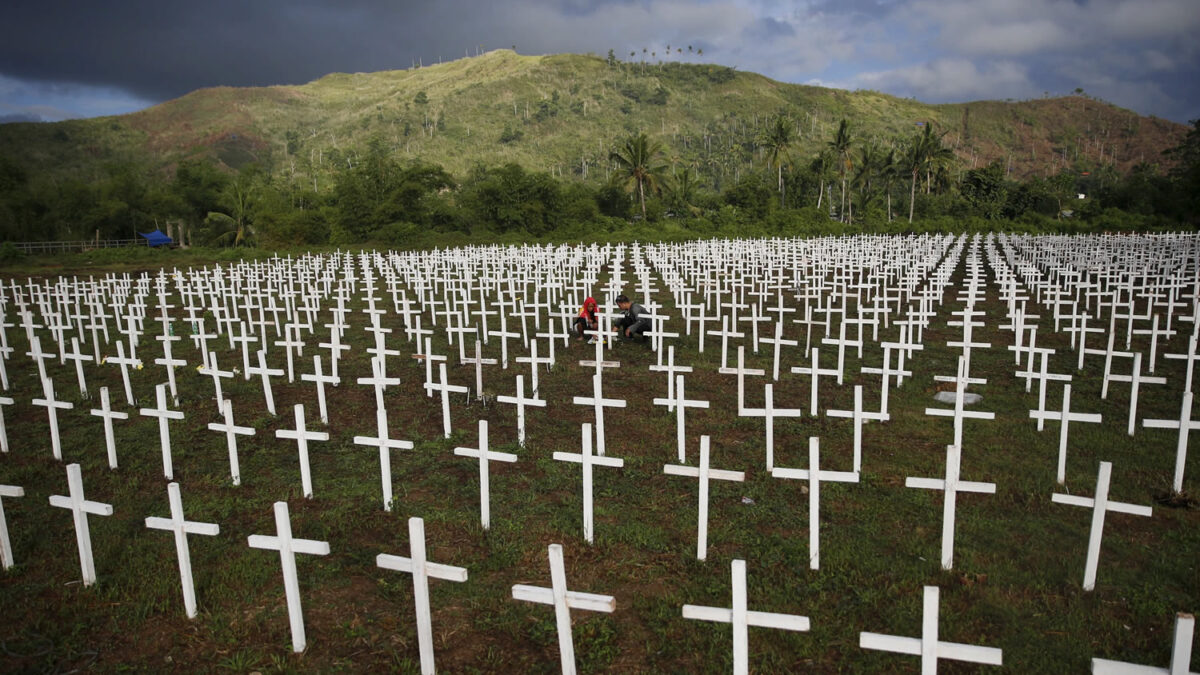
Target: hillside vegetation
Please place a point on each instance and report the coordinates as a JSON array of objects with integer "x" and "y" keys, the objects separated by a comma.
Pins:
[{"x": 564, "y": 114}]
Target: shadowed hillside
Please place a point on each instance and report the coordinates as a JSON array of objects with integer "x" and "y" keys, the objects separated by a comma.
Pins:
[{"x": 564, "y": 114}]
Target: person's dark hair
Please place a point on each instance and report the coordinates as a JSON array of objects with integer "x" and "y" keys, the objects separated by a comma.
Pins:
[{"x": 622, "y": 298}]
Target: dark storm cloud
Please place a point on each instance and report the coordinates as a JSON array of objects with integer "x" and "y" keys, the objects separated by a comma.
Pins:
[{"x": 1140, "y": 54}]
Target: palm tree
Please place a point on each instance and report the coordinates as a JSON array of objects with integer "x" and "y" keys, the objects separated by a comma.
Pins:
[
  {"x": 234, "y": 227},
  {"x": 841, "y": 147},
  {"x": 912, "y": 161},
  {"x": 889, "y": 172},
  {"x": 820, "y": 167},
  {"x": 777, "y": 140},
  {"x": 638, "y": 160},
  {"x": 934, "y": 154}
]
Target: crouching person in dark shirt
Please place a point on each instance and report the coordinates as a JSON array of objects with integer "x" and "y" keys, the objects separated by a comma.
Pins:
[{"x": 633, "y": 324}]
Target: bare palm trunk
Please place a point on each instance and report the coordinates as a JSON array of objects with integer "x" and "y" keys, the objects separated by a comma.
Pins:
[
  {"x": 912, "y": 196},
  {"x": 820, "y": 192},
  {"x": 842, "y": 210},
  {"x": 781, "y": 205},
  {"x": 889, "y": 206},
  {"x": 642, "y": 196}
]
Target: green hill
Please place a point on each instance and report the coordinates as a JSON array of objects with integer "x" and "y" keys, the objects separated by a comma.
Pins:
[{"x": 564, "y": 114}]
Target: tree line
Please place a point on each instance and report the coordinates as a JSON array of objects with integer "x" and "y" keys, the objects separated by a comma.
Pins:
[{"x": 849, "y": 185}]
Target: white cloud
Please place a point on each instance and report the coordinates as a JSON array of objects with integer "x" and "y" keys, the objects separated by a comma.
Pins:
[{"x": 952, "y": 79}]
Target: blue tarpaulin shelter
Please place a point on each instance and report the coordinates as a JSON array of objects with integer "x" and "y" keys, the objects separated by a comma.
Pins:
[{"x": 156, "y": 238}]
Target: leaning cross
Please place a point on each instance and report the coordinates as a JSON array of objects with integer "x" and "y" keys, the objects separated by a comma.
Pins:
[
  {"x": 928, "y": 647},
  {"x": 80, "y": 508},
  {"x": 484, "y": 456},
  {"x": 742, "y": 618},
  {"x": 588, "y": 460},
  {"x": 421, "y": 570},
  {"x": 564, "y": 601},
  {"x": 952, "y": 486},
  {"x": 1099, "y": 505},
  {"x": 182, "y": 528},
  {"x": 704, "y": 473},
  {"x": 814, "y": 475},
  {"x": 288, "y": 548}
]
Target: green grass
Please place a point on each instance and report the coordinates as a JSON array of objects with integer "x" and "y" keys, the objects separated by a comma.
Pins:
[{"x": 1018, "y": 557}]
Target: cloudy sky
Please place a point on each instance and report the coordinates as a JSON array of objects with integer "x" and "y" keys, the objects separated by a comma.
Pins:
[{"x": 62, "y": 59}]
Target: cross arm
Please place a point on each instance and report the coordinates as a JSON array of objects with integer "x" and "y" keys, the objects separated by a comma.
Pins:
[
  {"x": 753, "y": 618},
  {"x": 890, "y": 643},
  {"x": 575, "y": 600},
  {"x": 1106, "y": 667},
  {"x": 435, "y": 570},
  {"x": 677, "y": 470},
  {"x": 96, "y": 508},
  {"x": 593, "y": 459},
  {"x": 1085, "y": 502},
  {"x": 209, "y": 529},
  {"x": 492, "y": 456}
]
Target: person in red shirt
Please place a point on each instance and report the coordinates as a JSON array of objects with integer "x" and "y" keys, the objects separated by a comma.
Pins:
[{"x": 588, "y": 319}]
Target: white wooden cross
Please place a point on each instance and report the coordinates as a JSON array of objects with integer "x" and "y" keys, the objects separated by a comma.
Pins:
[
  {"x": 125, "y": 363},
  {"x": 1135, "y": 380},
  {"x": 564, "y": 601},
  {"x": 479, "y": 362},
  {"x": 769, "y": 413},
  {"x": 704, "y": 473},
  {"x": 288, "y": 548},
  {"x": 742, "y": 618},
  {"x": 78, "y": 358},
  {"x": 382, "y": 440},
  {"x": 302, "y": 436},
  {"x": 599, "y": 403},
  {"x": 52, "y": 407},
  {"x": 39, "y": 357},
  {"x": 842, "y": 343},
  {"x": 1065, "y": 416},
  {"x": 671, "y": 370},
  {"x": 171, "y": 363},
  {"x": 1181, "y": 654},
  {"x": 484, "y": 456},
  {"x": 1099, "y": 505},
  {"x": 6, "y": 551},
  {"x": 80, "y": 508},
  {"x": 288, "y": 343},
  {"x": 1190, "y": 357},
  {"x": 1184, "y": 424},
  {"x": 520, "y": 401},
  {"x": 421, "y": 570},
  {"x": 266, "y": 374},
  {"x": 725, "y": 334},
  {"x": 859, "y": 416},
  {"x": 504, "y": 334},
  {"x": 4, "y": 400},
  {"x": 214, "y": 371},
  {"x": 163, "y": 414},
  {"x": 182, "y": 528},
  {"x": 741, "y": 371},
  {"x": 960, "y": 390},
  {"x": 679, "y": 402},
  {"x": 533, "y": 362},
  {"x": 952, "y": 486},
  {"x": 108, "y": 415},
  {"x": 928, "y": 647},
  {"x": 604, "y": 330},
  {"x": 814, "y": 475},
  {"x": 334, "y": 345},
  {"x": 243, "y": 342},
  {"x": 1043, "y": 376},
  {"x": 815, "y": 372},
  {"x": 232, "y": 431},
  {"x": 777, "y": 342},
  {"x": 588, "y": 460},
  {"x": 446, "y": 389},
  {"x": 322, "y": 380}
]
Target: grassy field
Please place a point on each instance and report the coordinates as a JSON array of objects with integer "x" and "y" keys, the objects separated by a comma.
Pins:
[{"x": 1016, "y": 582}]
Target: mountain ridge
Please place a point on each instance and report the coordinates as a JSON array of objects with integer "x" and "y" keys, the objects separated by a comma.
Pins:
[{"x": 564, "y": 113}]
